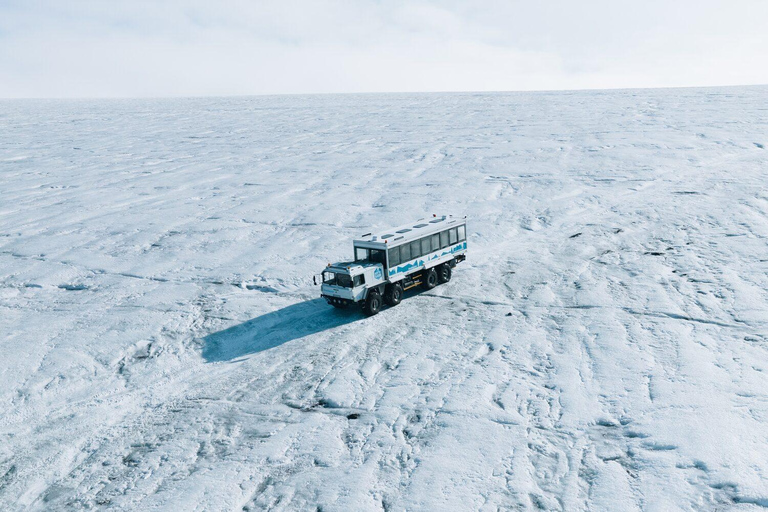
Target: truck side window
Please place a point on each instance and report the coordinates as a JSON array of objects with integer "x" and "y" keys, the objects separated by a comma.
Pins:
[
  {"x": 426, "y": 245},
  {"x": 444, "y": 239},
  {"x": 415, "y": 249},
  {"x": 462, "y": 233},
  {"x": 359, "y": 280},
  {"x": 452, "y": 233},
  {"x": 436, "y": 241},
  {"x": 405, "y": 253},
  {"x": 394, "y": 257},
  {"x": 361, "y": 254}
]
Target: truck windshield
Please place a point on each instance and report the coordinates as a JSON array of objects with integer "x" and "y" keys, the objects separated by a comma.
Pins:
[{"x": 335, "y": 279}]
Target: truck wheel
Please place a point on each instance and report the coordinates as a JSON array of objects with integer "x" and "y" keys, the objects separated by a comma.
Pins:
[
  {"x": 444, "y": 273},
  {"x": 372, "y": 303},
  {"x": 430, "y": 279},
  {"x": 394, "y": 294}
]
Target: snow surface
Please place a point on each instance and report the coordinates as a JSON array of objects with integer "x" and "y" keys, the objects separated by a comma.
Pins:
[{"x": 604, "y": 347}]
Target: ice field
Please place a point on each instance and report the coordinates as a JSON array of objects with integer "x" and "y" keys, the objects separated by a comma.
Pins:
[{"x": 604, "y": 346}]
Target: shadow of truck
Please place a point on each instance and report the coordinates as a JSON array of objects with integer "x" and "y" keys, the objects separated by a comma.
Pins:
[{"x": 273, "y": 329}]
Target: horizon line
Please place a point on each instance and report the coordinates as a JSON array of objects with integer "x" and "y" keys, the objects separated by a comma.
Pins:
[{"x": 365, "y": 93}]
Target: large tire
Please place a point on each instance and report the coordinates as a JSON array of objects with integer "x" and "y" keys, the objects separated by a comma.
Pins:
[
  {"x": 372, "y": 303},
  {"x": 394, "y": 294},
  {"x": 444, "y": 273},
  {"x": 430, "y": 279}
]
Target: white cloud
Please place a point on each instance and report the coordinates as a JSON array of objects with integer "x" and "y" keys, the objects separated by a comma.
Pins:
[{"x": 92, "y": 48}]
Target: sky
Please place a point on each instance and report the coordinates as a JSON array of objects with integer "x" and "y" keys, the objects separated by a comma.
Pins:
[{"x": 158, "y": 48}]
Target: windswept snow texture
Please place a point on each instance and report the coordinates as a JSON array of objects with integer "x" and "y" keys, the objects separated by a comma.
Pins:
[{"x": 604, "y": 347}]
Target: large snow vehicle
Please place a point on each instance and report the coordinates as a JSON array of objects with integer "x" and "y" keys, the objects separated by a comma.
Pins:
[{"x": 423, "y": 253}]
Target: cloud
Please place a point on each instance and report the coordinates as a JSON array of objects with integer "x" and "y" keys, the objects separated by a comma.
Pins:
[{"x": 89, "y": 48}]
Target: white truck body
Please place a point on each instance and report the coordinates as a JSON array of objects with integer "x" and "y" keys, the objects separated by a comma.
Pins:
[{"x": 401, "y": 255}]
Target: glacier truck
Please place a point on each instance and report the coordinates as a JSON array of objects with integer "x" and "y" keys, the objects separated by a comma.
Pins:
[{"x": 385, "y": 265}]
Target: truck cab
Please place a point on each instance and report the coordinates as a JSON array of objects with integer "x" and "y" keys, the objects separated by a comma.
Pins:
[{"x": 346, "y": 283}]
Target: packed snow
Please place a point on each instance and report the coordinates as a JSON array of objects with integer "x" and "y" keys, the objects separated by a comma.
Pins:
[{"x": 604, "y": 346}]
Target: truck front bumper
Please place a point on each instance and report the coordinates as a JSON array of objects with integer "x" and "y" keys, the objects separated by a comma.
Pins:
[{"x": 337, "y": 300}]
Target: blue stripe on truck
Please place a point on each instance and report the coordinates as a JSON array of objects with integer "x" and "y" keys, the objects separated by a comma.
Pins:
[{"x": 420, "y": 262}]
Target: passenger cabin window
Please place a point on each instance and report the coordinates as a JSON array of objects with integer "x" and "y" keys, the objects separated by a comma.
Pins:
[
  {"x": 436, "y": 242},
  {"x": 462, "y": 233},
  {"x": 452, "y": 236},
  {"x": 359, "y": 280},
  {"x": 405, "y": 253},
  {"x": 415, "y": 249},
  {"x": 444, "y": 239},
  {"x": 371, "y": 255},
  {"x": 378, "y": 256},
  {"x": 394, "y": 257},
  {"x": 426, "y": 245}
]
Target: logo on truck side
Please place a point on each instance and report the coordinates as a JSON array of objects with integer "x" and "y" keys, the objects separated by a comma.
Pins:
[{"x": 377, "y": 273}]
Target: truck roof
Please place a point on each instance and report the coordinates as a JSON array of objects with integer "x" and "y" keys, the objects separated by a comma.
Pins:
[
  {"x": 353, "y": 267},
  {"x": 408, "y": 232}
]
